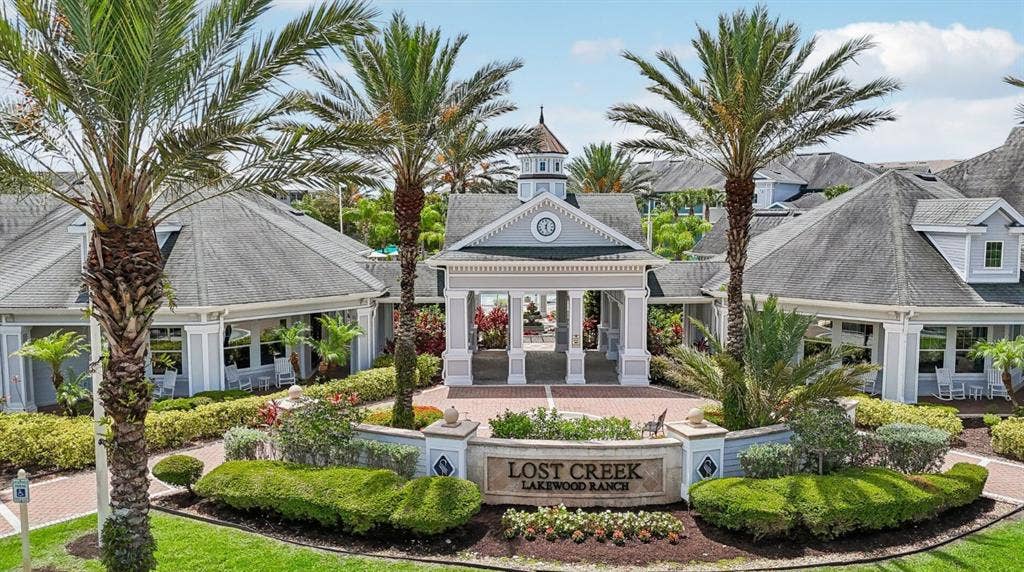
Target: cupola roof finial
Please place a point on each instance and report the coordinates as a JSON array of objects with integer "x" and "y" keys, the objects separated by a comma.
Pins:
[{"x": 542, "y": 115}]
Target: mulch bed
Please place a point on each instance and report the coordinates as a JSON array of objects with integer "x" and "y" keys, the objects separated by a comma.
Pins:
[
  {"x": 86, "y": 547},
  {"x": 977, "y": 439},
  {"x": 482, "y": 540}
]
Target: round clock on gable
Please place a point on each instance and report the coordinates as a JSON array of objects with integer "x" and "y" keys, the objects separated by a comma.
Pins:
[{"x": 546, "y": 226}]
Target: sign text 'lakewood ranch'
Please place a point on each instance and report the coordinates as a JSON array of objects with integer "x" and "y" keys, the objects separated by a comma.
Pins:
[{"x": 574, "y": 477}]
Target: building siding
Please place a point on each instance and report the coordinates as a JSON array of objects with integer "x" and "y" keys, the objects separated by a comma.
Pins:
[
  {"x": 953, "y": 248},
  {"x": 997, "y": 230}
]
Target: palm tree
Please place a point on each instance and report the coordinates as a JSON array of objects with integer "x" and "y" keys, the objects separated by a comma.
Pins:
[
  {"x": 432, "y": 226},
  {"x": 406, "y": 90},
  {"x": 757, "y": 99},
  {"x": 470, "y": 155},
  {"x": 1017, "y": 82},
  {"x": 293, "y": 336},
  {"x": 765, "y": 386},
  {"x": 1006, "y": 355},
  {"x": 602, "y": 169},
  {"x": 374, "y": 223},
  {"x": 159, "y": 106},
  {"x": 335, "y": 343},
  {"x": 54, "y": 349},
  {"x": 712, "y": 197},
  {"x": 674, "y": 236}
]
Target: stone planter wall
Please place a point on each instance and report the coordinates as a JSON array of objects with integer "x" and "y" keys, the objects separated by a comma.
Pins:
[
  {"x": 399, "y": 437},
  {"x": 738, "y": 441}
]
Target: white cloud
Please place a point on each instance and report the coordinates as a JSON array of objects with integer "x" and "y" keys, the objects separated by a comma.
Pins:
[
  {"x": 592, "y": 51},
  {"x": 951, "y": 61},
  {"x": 936, "y": 128}
]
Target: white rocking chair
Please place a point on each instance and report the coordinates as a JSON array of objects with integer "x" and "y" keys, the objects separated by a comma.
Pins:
[
  {"x": 234, "y": 381},
  {"x": 283, "y": 372},
  {"x": 995, "y": 385},
  {"x": 168, "y": 382},
  {"x": 949, "y": 389}
]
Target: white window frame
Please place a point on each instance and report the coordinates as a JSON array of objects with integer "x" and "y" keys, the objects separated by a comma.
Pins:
[{"x": 1002, "y": 257}]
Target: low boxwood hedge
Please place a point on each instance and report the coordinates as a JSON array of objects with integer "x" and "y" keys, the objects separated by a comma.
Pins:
[
  {"x": 832, "y": 505},
  {"x": 355, "y": 499},
  {"x": 1008, "y": 437},
  {"x": 432, "y": 505},
  {"x": 872, "y": 413}
]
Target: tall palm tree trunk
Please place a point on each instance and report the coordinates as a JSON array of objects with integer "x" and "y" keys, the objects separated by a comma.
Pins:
[
  {"x": 408, "y": 206},
  {"x": 123, "y": 273},
  {"x": 1008, "y": 384},
  {"x": 739, "y": 194}
]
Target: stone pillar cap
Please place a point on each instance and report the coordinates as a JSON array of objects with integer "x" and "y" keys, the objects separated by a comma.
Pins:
[
  {"x": 462, "y": 430},
  {"x": 708, "y": 429}
]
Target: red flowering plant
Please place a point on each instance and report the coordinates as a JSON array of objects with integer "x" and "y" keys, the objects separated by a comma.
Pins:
[
  {"x": 664, "y": 329},
  {"x": 429, "y": 335},
  {"x": 590, "y": 334},
  {"x": 269, "y": 414},
  {"x": 492, "y": 327}
]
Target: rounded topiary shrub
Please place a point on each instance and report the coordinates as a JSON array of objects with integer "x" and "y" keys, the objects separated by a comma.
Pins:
[
  {"x": 431, "y": 505},
  {"x": 911, "y": 448},
  {"x": 1008, "y": 437},
  {"x": 179, "y": 470}
]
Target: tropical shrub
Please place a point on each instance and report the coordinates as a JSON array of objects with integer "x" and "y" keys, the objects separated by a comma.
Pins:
[
  {"x": 492, "y": 327},
  {"x": 832, "y": 505},
  {"x": 768, "y": 460},
  {"x": 664, "y": 329},
  {"x": 873, "y": 413},
  {"x": 248, "y": 444},
  {"x": 542, "y": 423},
  {"x": 354, "y": 499},
  {"x": 375, "y": 384},
  {"x": 432, "y": 505},
  {"x": 429, "y": 333},
  {"x": 220, "y": 395},
  {"x": 602, "y": 526},
  {"x": 909, "y": 448},
  {"x": 53, "y": 350},
  {"x": 766, "y": 386},
  {"x": 315, "y": 430},
  {"x": 824, "y": 437},
  {"x": 179, "y": 470},
  {"x": 423, "y": 415},
  {"x": 179, "y": 404},
  {"x": 334, "y": 345},
  {"x": 991, "y": 420},
  {"x": 1008, "y": 437}
]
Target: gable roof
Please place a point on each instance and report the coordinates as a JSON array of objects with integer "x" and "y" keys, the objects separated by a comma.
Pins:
[
  {"x": 825, "y": 169},
  {"x": 996, "y": 173},
  {"x": 780, "y": 173},
  {"x": 472, "y": 211},
  {"x": 861, "y": 248},
  {"x": 230, "y": 250},
  {"x": 957, "y": 212},
  {"x": 715, "y": 242}
]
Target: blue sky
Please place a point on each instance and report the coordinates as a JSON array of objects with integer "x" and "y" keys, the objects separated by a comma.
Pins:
[{"x": 950, "y": 55}]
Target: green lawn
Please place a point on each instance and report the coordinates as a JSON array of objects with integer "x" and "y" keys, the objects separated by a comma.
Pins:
[
  {"x": 184, "y": 544},
  {"x": 1000, "y": 548}
]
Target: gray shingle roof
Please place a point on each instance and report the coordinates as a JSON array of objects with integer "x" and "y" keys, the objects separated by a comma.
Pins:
[
  {"x": 806, "y": 200},
  {"x": 780, "y": 174},
  {"x": 715, "y": 242},
  {"x": 860, "y": 248},
  {"x": 823, "y": 170},
  {"x": 429, "y": 281},
  {"x": 230, "y": 250},
  {"x": 527, "y": 253},
  {"x": 681, "y": 279},
  {"x": 950, "y": 212},
  {"x": 471, "y": 211},
  {"x": 997, "y": 173}
]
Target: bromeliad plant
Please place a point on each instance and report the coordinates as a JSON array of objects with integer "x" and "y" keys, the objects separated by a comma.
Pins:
[
  {"x": 53, "y": 350},
  {"x": 766, "y": 385},
  {"x": 158, "y": 106}
]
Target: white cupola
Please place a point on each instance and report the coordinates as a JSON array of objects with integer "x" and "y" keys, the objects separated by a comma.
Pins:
[{"x": 543, "y": 170}]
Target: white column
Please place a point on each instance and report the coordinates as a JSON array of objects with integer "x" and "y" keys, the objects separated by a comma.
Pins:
[
  {"x": 363, "y": 357},
  {"x": 458, "y": 360},
  {"x": 205, "y": 352},
  {"x": 574, "y": 356},
  {"x": 634, "y": 359},
  {"x": 16, "y": 371},
  {"x": 516, "y": 353},
  {"x": 542, "y": 305},
  {"x": 900, "y": 360},
  {"x": 602, "y": 326},
  {"x": 561, "y": 321},
  {"x": 614, "y": 328},
  {"x": 471, "y": 312}
]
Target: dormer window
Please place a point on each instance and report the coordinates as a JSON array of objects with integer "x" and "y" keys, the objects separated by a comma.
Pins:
[
  {"x": 994, "y": 254},
  {"x": 543, "y": 166}
]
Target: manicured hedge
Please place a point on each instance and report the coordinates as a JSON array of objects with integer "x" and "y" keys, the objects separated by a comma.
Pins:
[
  {"x": 432, "y": 505},
  {"x": 423, "y": 415},
  {"x": 375, "y": 384},
  {"x": 832, "y": 505},
  {"x": 355, "y": 499},
  {"x": 1008, "y": 437},
  {"x": 179, "y": 470},
  {"x": 46, "y": 441},
  {"x": 873, "y": 413}
]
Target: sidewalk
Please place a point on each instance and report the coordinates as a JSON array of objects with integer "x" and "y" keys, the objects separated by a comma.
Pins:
[
  {"x": 64, "y": 497},
  {"x": 70, "y": 496}
]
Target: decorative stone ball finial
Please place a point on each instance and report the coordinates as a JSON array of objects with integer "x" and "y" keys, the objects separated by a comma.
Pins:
[
  {"x": 451, "y": 416},
  {"x": 295, "y": 392},
  {"x": 695, "y": 417}
]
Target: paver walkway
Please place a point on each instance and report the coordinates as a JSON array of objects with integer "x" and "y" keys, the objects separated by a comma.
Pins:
[{"x": 60, "y": 498}]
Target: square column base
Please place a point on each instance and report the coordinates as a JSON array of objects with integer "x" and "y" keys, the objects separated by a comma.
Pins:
[
  {"x": 516, "y": 367},
  {"x": 561, "y": 338},
  {"x": 574, "y": 366},
  {"x": 458, "y": 367},
  {"x": 633, "y": 368}
]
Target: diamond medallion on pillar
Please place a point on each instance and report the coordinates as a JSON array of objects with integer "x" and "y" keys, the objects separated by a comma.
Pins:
[
  {"x": 708, "y": 468},
  {"x": 443, "y": 467}
]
